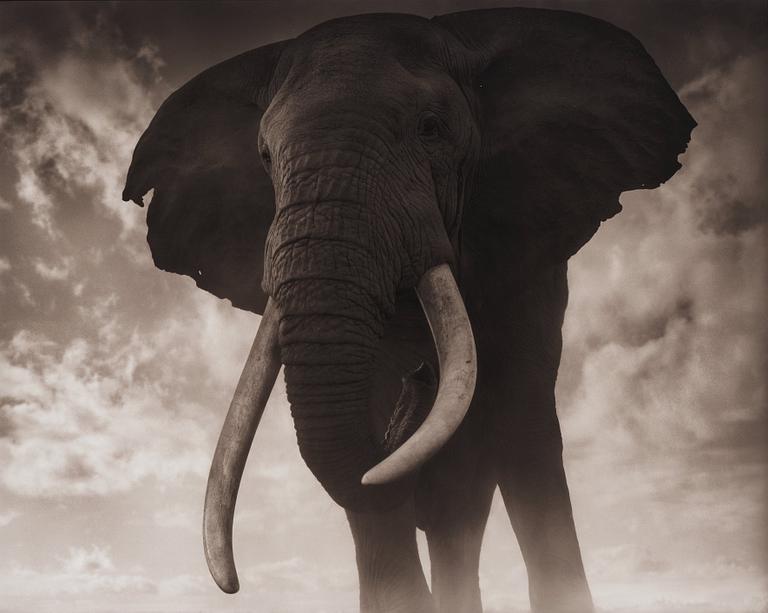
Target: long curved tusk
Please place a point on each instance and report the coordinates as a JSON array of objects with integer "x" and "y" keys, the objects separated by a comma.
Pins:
[
  {"x": 245, "y": 411},
  {"x": 447, "y": 317}
]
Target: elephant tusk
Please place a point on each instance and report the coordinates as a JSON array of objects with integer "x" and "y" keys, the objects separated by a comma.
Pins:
[
  {"x": 245, "y": 411},
  {"x": 452, "y": 332}
]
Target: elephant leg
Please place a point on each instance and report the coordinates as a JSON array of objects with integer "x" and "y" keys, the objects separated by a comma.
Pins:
[
  {"x": 455, "y": 537},
  {"x": 390, "y": 573},
  {"x": 531, "y": 477},
  {"x": 454, "y": 500}
]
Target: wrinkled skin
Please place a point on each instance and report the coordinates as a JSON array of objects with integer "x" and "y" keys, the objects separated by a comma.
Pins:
[{"x": 393, "y": 144}]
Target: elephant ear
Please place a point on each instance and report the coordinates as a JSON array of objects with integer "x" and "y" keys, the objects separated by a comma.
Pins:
[
  {"x": 213, "y": 202},
  {"x": 573, "y": 112}
]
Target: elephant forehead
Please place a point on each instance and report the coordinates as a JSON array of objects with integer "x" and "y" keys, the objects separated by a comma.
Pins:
[
  {"x": 358, "y": 82},
  {"x": 368, "y": 42},
  {"x": 339, "y": 98}
]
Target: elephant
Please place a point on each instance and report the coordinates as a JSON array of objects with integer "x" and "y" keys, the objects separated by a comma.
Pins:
[{"x": 399, "y": 197}]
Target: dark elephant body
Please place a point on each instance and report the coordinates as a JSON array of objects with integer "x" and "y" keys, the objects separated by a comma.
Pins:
[{"x": 492, "y": 141}]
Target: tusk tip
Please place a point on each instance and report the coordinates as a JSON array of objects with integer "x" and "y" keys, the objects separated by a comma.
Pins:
[
  {"x": 230, "y": 589},
  {"x": 370, "y": 478},
  {"x": 381, "y": 474},
  {"x": 227, "y": 583},
  {"x": 221, "y": 563}
]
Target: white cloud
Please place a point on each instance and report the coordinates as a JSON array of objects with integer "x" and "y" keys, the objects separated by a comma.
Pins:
[
  {"x": 107, "y": 100},
  {"x": 307, "y": 582},
  {"x": 25, "y": 294},
  {"x": 662, "y": 388},
  {"x": 77, "y": 124},
  {"x": 7, "y": 517},
  {"x": 103, "y": 412},
  {"x": 59, "y": 271},
  {"x": 5, "y": 266},
  {"x": 227, "y": 331},
  {"x": 175, "y": 518},
  {"x": 151, "y": 54},
  {"x": 664, "y": 336},
  {"x": 79, "y": 421},
  {"x": 93, "y": 560},
  {"x": 183, "y": 585},
  {"x": 30, "y": 190},
  {"x": 717, "y": 586},
  {"x": 82, "y": 572}
]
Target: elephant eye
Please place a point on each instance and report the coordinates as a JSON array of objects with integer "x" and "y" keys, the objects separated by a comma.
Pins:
[
  {"x": 429, "y": 127},
  {"x": 266, "y": 158}
]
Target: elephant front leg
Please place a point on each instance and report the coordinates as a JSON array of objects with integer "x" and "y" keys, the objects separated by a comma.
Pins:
[
  {"x": 533, "y": 485},
  {"x": 388, "y": 565},
  {"x": 536, "y": 496},
  {"x": 454, "y": 550},
  {"x": 455, "y": 500}
]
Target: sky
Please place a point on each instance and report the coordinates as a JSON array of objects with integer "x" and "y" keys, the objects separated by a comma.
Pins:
[{"x": 115, "y": 376}]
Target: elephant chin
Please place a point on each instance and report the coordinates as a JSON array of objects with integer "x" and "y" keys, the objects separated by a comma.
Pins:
[{"x": 338, "y": 436}]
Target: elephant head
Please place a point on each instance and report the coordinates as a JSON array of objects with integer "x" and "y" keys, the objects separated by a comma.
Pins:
[{"x": 321, "y": 180}]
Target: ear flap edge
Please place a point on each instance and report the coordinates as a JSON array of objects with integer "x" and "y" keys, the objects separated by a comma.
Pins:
[
  {"x": 573, "y": 112},
  {"x": 213, "y": 201}
]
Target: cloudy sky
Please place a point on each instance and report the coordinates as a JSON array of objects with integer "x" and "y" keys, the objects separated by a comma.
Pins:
[{"x": 114, "y": 376}]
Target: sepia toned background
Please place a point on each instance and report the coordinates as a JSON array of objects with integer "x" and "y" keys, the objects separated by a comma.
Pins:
[{"x": 114, "y": 376}]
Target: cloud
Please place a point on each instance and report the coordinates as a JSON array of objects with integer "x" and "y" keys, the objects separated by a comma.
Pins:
[
  {"x": 5, "y": 267},
  {"x": 307, "y": 582},
  {"x": 72, "y": 122},
  {"x": 93, "y": 560},
  {"x": 7, "y": 517},
  {"x": 662, "y": 390},
  {"x": 124, "y": 400},
  {"x": 79, "y": 421},
  {"x": 55, "y": 272},
  {"x": 665, "y": 334},
  {"x": 290, "y": 575},
  {"x": 24, "y": 294},
  {"x": 175, "y": 518},
  {"x": 719, "y": 585},
  {"x": 729, "y": 191},
  {"x": 183, "y": 585},
  {"x": 82, "y": 572},
  {"x": 85, "y": 576}
]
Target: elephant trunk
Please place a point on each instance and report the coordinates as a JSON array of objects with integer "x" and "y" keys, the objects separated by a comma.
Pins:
[
  {"x": 329, "y": 362},
  {"x": 328, "y": 384},
  {"x": 334, "y": 295},
  {"x": 333, "y": 266},
  {"x": 329, "y": 335}
]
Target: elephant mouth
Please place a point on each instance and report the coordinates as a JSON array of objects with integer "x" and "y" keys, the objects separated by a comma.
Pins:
[{"x": 452, "y": 334}]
